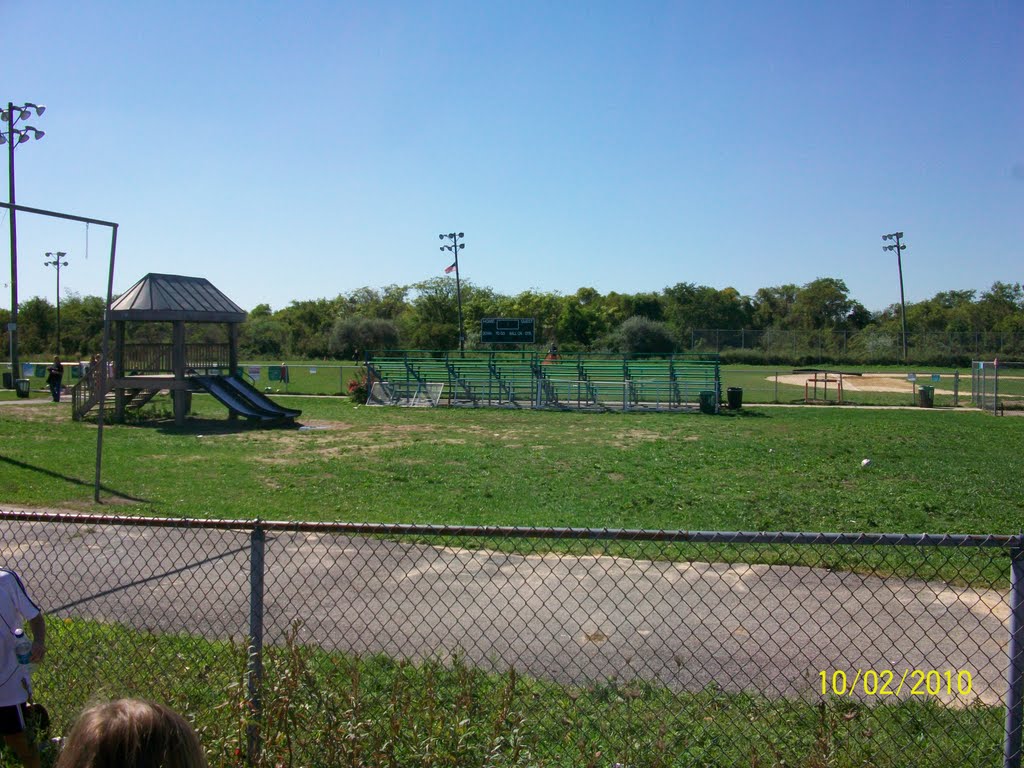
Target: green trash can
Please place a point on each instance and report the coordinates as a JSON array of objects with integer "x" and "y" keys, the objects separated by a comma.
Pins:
[
  {"x": 734, "y": 396},
  {"x": 707, "y": 401},
  {"x": 926, "y": 396},
  {"x": 22, "y": 386}
]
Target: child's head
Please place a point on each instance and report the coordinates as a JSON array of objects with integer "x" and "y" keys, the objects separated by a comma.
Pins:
[{"x": 131, "y": 733}]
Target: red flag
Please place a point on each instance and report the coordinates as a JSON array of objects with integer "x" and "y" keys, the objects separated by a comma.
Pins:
[{"x": 450, "y": 269}]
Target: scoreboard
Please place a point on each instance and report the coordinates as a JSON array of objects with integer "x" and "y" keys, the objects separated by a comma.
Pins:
[{"x": 506, "y": 330}]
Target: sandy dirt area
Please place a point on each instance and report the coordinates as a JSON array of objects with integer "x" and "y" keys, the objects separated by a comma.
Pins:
[{"x": 868, "y": 382}]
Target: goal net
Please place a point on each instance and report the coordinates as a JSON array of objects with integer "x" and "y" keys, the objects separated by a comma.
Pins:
[{"x": 405, "y": 395}]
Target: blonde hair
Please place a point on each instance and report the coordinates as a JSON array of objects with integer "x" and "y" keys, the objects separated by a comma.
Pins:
[{"x": 131, "y": 733}]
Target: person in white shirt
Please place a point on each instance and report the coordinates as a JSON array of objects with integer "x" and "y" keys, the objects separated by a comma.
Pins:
[{"x": 16, "y": 607}]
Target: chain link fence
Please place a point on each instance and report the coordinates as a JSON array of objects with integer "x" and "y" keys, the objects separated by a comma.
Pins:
[
  {"x": 834, "y": 385},
  {"x": 372, "y": 645},
  {"x": 868, "y": 344},
  {"x": 997, "y": 385}
]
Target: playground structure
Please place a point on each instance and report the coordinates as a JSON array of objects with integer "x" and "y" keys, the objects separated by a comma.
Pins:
[
  {"x": 531, "y": 380},
  {"x": 140, "y": 371}
]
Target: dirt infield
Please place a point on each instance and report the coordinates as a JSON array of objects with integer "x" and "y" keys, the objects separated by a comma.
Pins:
[{"x": 868, "y": 382}]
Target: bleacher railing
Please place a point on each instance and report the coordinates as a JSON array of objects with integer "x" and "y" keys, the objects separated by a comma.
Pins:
[{"x": 542, "y": 380}]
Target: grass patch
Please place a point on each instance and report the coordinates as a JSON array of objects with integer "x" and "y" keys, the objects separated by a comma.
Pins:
[
  {"x": 770, "y": 469},
  {"x": 329, "y": 709}
]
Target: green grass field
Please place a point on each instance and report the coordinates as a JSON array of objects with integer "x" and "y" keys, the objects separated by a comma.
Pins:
[
  {"x": 767, "y": 469},
  {"x": 330, "y": 710},
  {"x": 760, "y": 469}
]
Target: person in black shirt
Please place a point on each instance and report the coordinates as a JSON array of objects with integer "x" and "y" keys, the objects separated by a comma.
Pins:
[{"x": 54, "y": 377}]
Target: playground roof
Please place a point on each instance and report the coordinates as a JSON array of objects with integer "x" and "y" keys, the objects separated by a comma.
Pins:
[{"x": 169, "y": 298}]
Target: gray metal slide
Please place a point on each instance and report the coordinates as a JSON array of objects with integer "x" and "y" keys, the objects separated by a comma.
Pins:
[
  {"x": 257, "y": 398},
  {"x": 242, "y": 402}
]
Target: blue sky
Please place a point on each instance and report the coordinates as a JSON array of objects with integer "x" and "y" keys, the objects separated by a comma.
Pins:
[{"x": 300, "y": 150}]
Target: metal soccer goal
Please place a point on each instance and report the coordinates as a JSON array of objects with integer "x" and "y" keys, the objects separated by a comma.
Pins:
[{"x": 405, "y": 395}]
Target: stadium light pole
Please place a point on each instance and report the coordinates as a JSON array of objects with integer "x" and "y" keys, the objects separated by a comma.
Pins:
[
  {"x": 454, "y": 248},
  {"x": 57, "y": 261},
  {"x": 899, "y": 265},
  {"x": 12, "y": 137}
]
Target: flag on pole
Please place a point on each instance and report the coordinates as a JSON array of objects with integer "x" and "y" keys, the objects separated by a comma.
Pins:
[{"x": 450, "y": 269}]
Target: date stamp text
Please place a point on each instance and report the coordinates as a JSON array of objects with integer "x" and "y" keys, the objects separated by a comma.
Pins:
[{"x": 890, "y": 682}]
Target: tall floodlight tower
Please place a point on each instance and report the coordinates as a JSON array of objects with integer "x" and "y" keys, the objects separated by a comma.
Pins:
[
  {"x": 454, "y": 248},
  {"x": 56, "y": 260},
  {"x": 897, "y": 236},
  {"x": 13, "y": 136}
]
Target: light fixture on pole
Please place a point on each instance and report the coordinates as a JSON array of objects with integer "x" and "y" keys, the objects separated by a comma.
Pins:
[
  {"x": 454, "y": 248},
  {"x": 899, "y": 264},
  {"x": 12, "y": 137},
  {"x": 57, "y": 261}
]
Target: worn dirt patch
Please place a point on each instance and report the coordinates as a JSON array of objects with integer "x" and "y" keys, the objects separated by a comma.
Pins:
[
  {"x": 869, "y": 382},
  {"x": 34, "y": 410},
  {"x": 640, "y": 435}
]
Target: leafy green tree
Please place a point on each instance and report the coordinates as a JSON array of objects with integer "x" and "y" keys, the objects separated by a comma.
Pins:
[
  {"x": 638, "y": 335},
  {"x": 262, "y": 336},
  {"x": 81, "y": 325},
  {"x": 773, "y": 307},
  {"x": 823, "y": 303},
  {"x": 689, "y": 306},
  {"x": 309, "y": 325},
  {"x": 432, "y": 321},
  {"x": 544, "y": 308},
  {"x": 353, "y": 335},
  {"x": 37, "y": 327},
  {"x": 999, "y": 304},
  {"x": 388, "y": 303},
  {"x": 577, "y": 326}
]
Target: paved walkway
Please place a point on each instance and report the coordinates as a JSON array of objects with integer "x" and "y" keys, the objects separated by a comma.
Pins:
[{"x": 575, "y": 619}]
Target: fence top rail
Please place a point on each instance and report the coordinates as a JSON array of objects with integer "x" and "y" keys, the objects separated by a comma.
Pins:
[{"x": 607, "y": 534}]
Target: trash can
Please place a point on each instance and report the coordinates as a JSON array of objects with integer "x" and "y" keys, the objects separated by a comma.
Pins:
[
  {"x": 22, "y": 386},
  {"x": 707, "y": 401},
  {"x": 8, "y": 380},
  {"x": 734, "y": 396},
  {"x": 926, "y": 396}
]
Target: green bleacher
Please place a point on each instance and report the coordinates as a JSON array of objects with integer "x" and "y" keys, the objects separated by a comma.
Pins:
[{"x": 531, "y": 380}]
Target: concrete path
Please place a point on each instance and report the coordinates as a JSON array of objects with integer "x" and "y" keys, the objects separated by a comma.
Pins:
[{"x": 763, "y": 629}]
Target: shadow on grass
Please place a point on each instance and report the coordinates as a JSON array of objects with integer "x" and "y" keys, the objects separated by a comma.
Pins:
[
  {"x": 71, "y": 480},
  {"x": 155, "y": 577},
  {"x": 743, "y": 413},
  {"x": 200, "y": 426}
]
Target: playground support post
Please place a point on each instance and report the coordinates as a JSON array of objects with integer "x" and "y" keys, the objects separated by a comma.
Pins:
[{"x": 106, "y": 319}]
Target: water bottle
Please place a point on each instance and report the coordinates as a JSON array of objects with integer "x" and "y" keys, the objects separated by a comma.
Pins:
[{"x": 22, "y": 646}]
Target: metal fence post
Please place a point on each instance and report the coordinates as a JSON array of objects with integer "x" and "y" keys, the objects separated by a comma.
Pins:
[
  {"x": 255, "y": 672},
  {"x": 1015, "y": 673},
  {"x": 995, "y": 388}
]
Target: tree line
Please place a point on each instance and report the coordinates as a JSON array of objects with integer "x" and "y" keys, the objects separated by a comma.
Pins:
[{"x": 424, "y": 316}]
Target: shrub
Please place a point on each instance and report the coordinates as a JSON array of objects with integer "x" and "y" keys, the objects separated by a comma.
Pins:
[{"x": 640, "y": 335}]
